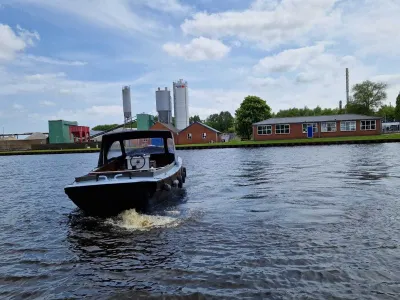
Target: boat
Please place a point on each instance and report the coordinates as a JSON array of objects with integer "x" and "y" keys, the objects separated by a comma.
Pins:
[{"x": 137, "y": 169}]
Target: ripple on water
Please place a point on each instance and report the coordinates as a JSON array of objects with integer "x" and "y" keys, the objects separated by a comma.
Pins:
[{"x": 274, "y": 223}]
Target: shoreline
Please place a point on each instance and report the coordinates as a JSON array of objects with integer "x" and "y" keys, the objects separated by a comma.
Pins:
[{"x": 390, "y": 138}]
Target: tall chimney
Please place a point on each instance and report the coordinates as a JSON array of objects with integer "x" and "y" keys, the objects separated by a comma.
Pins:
[{"x": 347, "y": 86}]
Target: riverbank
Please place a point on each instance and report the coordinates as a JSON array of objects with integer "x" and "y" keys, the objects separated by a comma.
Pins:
[{"x": 384, "y": 138}]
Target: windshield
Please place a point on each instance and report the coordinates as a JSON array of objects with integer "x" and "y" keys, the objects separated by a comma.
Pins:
[{"x": 144, "y": 146}]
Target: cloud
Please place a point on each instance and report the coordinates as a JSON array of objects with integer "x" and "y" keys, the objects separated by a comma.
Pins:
[
  {"x": 47, "y": 103},
  {"x": 372, "y": 27},
  {"x": 92, "y": 115},
  {"x": 198, "y": 49},
  {"x": 112, "y": 14},
  {"x": 18, "y": 106},
  {"x": 53, "y": 61},
  {"x": 12, "y": 43},
  {"x": 289, "y": 60},
  {"x": 288, "y": 21},
  {"x": 169, "y": 6}
]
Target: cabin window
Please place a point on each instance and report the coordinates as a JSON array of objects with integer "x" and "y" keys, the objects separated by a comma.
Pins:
[
  {"x": 115, "y": 150},
  {"x": 264, "y": 129},
  {"x": 314, "y": 125},
  {"x": 204, "y": 135},
  {"x": 348, "y": 126},
  {"x": 171, "y": 145},
  {"x": 189, "y": 136},
  {"x": 282, "y": 129},
  {"x": 368, "y": 125},
  {"x": 328, "y": 127}
]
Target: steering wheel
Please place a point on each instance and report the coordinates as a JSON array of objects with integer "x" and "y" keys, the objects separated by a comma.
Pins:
[{"x": 138, "y": 157}]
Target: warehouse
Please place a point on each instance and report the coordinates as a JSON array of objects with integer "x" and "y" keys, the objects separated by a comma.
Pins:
[{"x": 322, "y": 127}]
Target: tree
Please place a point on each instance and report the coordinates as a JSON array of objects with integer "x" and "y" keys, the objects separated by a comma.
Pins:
[
  {"x": 301, "y": 112},
  {"x": 223, "y": 121},
  {"x": 195, "y": 118},
  {"x": 367, "y": 97},
  {"x": 104, "y": 127},
  {"x": 397, "y": 109},
  {"x": 253, "y": 109},
  {"x": 387, "y": 112}
]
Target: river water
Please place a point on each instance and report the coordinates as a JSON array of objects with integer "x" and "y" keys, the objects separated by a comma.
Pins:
[{"x": 275, "y": 223}]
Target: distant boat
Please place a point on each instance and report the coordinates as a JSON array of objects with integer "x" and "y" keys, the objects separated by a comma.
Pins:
[{"x": 136, "y": 170}]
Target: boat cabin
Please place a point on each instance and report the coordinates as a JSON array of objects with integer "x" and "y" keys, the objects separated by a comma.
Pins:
[{"x": 133, "y": 151}]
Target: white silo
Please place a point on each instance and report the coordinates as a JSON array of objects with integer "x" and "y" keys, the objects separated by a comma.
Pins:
[
  {"x": 164, "y": 106},
  {"x": 126, "y": 101},
  {"x": 181, "y": 104}
]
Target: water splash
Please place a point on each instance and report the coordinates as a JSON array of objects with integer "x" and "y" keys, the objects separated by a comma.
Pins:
[{"x": 132, "y": 220}]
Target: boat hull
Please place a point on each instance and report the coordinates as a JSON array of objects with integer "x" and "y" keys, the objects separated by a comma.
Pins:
[{"x": 109, "y": 199}]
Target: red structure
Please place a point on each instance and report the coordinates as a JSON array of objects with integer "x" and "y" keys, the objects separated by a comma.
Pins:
[{"x": 79, "y": 134}]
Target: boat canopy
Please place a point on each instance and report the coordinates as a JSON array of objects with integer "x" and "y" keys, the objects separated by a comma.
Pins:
[{"x": 164, "y": 138}]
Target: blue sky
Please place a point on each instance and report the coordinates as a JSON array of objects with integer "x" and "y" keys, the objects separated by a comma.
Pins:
[{"x": 68, "y": 60}]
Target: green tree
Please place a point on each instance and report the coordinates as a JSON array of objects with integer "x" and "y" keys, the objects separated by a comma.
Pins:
[
  {"x": 387, "y": 112},
  {"x": 397, "y": 109},
  {"x": 223, "y": 121},
  {"x": 301, "y": 112},
  {"x": 104, "y": 127},
  {"x": 195, "y": 118},
  {"x": 367, "y": 97},
  {"x": 253, "y": 109}
]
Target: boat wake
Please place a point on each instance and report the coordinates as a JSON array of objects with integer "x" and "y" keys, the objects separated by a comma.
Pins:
[{"x": 132, "y": 220}]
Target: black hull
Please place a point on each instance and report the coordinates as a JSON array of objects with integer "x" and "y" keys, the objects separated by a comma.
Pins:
[{"x": 111, "y": 199}]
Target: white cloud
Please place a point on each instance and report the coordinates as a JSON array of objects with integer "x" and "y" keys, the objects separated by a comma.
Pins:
[
  {"x": 265, "y": 81},
  {"x": 53, "y": 61},
  {"x": 89, "y": 116},
  {"x": 289, "y": 60},
  {"x": 372, "y": 27},
  {"x": 18, "y": 106},
  {"x": 289, "y": 21},
  {"x": 198, "y": 49},
  {"x": 114, "y": 14},
  {"x": 47, "y": 103},
  {"x": 12, "y": 42},
  {"x": 169, "y": 6}
]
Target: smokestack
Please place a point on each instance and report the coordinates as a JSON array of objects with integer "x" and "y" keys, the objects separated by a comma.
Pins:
[
  {"x": 347, "y": 86},
  {"x": 340, "y": 105}
]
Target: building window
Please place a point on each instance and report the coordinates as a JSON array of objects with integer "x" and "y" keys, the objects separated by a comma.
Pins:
[
  {"x": 189, "y": 136},
  {"x": 264, "y": 130},
  {"x": 328, "y": 127},
  {"x": 314, "y": 125},
  {"x": 348, "y": 126},
  {"x": 282, "y": 129},
  {"x": 204, "y": 135},
  {"x": 368, "y": 125}
]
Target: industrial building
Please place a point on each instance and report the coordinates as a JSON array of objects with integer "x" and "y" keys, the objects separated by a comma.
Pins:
[
  {"x": 61, "y": 131},
  {"x": 316, "y": 127},
  {"x": 164, "y": 106},
  {"x": 181, "y": 104},
  {"x": 144, "y": 121}
]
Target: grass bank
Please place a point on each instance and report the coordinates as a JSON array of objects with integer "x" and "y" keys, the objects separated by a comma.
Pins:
[{"x": 295, "y": 142}]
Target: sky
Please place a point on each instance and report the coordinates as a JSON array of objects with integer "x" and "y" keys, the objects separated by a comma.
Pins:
[{"x": 69, "y": 59}]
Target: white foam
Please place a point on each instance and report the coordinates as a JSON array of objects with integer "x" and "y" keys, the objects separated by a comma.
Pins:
[{"x": 132, "y": 220}]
